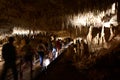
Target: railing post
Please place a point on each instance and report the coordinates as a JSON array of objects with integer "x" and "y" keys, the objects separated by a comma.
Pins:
[
  {"x": 31, "y": 71},
  {"x": 21, "y": 73}
]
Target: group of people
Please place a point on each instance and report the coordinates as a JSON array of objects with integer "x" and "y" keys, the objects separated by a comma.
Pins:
[
  {"x": 10, "y": 56},
  {"x": 26, "y": 53}
]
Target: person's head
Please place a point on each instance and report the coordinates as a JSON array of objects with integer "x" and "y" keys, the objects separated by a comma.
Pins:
[
  {"x": 82, "y": 41},
  {"x": 11, "y": 39},
  {"x": 27, "y": 41},
  {"x": 40, "y": 41}
]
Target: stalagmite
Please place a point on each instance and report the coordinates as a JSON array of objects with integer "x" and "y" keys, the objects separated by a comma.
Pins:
[
  {"x": 96, "y": 39},
  {"x": 102, "y": 38},
  {"x": 89, "y": 36},
  {"x": 80, "y": 29},
  {"x": 111, "y": 34}
]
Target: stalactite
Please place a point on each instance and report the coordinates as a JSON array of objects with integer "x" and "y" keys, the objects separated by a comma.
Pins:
[{"x": 118, "y": 12}]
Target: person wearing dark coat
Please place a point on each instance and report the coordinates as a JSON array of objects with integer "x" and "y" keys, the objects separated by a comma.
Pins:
[{"x": 9, "y": 56}]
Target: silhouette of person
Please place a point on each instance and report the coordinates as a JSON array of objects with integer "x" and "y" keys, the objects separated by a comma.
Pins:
[
  {"x": 9, "y": 56},
  {"x": 28, "y": 52}
]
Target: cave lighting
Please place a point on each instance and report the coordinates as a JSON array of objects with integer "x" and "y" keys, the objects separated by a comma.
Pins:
[
  {"x": 21, "y": 31},
  {"x": 46, "y": 62}
]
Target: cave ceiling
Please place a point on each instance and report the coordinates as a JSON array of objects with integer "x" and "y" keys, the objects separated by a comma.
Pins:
[{"x": 45, "y": 14}]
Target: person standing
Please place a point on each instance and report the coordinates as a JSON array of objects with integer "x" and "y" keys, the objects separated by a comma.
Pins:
[
  {"x": 41, "y": 51},
  {"x": 28, "y": 52},
  {"x": 9, "y": 56}
]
